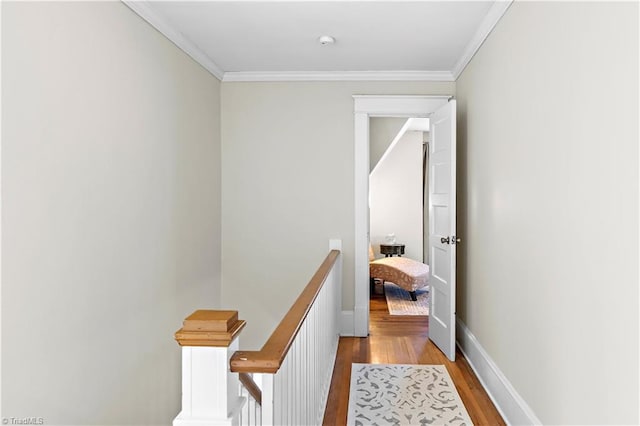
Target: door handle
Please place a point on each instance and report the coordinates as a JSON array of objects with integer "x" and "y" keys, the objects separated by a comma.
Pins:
[{"x": 450, "y": 240}]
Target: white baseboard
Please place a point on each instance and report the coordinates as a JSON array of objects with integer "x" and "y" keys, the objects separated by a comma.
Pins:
[
  {"x": 346, "y": 324},
  {"x": 361, "y": 320},
  {"x": 512, "y": 407}
]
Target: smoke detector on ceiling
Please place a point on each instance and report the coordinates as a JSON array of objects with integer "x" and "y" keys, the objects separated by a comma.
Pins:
[{"x": 325, "y": 39}]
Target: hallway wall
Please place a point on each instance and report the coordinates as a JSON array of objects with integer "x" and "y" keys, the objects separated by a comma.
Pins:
[
  {"x": 382, "y": 131},
  {"x": 110, "y": 212},
  {"x": 287, "y": 188},
  {"x": 395, "y": 197},
  {"x": 548, "y": 207}
]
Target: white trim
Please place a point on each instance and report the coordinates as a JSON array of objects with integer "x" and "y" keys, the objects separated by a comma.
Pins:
[
  {"x": 209, "y": 390},
  {"x": 361, "y": 226},
  {"x": 514, "y": 409},
  {"x": 346, "y": 323},
  {"x": 361, "y": 316},
  {"x": 1, "y": 198},
  {"x": 397, "y": 106},
  {"x": 338, "y": 76},
  {"x": 146, "y": 12},
  {"x": 144, "y": 9},
  {"x": 486, "y": 26},
  {"x": 366, "y": 106}
]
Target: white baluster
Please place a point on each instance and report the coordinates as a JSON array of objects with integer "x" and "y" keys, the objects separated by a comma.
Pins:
[
  {"x": 297, "y": 393},
  {"x": 267, "y": 400}
]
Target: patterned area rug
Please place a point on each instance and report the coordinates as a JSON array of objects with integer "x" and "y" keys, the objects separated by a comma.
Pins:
[
  {"x": 400, "y": 303},
  {"x": 396, "y": 394}
]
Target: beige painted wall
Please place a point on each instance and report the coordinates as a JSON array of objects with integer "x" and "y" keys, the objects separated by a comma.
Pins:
[
  {"x": 111, "y": 212},
  {"x": 382, "y": 131},
  {"x": 395, "y": 197},
  {"x": 548, "y": 207},
  {"x": 287, "y": 188}
]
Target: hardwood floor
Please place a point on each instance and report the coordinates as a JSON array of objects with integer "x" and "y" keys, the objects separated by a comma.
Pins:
[{"x": 402, "y": 340}]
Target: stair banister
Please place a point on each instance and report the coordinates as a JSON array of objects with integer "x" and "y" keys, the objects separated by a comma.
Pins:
[
  {"x": 209, "y": 390},
  {"x": 292, "y": 370},
  {"x": 270, "y": 357}
]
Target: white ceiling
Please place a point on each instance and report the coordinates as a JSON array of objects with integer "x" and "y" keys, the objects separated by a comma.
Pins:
[{"x": 277, "y": 40}]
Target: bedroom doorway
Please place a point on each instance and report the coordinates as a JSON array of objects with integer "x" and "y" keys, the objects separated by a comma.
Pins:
[
  {"x": 442, "y": 239},
  {"x": 398, "y": 219},
  {"x": 397, "y": 185}
]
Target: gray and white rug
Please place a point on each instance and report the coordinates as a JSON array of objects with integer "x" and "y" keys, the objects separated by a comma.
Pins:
[
  {"x": 399, "y": 301},
  {"x": 398, "y": 394}
]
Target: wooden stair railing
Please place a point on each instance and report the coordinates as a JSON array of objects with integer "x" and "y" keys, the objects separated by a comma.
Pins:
[
  {"x": 293, "y": 368},
  {"x": 251, "y": 387},
  {"x": 270, "y": 357}
]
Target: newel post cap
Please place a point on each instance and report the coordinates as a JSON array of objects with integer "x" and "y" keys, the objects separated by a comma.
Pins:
[{"x": 209, "y": 328}]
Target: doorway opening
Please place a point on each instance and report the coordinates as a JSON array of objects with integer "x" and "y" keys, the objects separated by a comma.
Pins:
[
  {"x": 442, "y": 239},
  {"x": 397, "y": 222}
]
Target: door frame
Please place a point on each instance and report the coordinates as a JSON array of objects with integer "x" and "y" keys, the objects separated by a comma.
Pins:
[{"x": 365, "y": 107}]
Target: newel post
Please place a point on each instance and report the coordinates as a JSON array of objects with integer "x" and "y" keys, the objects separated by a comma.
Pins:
[{"x": 210, "y": 392}]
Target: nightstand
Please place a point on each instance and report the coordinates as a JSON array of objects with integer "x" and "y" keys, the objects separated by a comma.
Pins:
[{"x": 390, "y": 249}]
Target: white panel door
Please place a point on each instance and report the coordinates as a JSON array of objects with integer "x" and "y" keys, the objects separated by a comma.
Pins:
[{"x": 442, "y": 228}]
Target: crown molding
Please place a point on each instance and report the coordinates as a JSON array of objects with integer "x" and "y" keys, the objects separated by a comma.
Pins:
[
  {"x": 486, "y": 26},
  {"x": 338, "y": 76},
  {"x": 146, "y": 12},
  {"x": 143, "y": 9}
]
